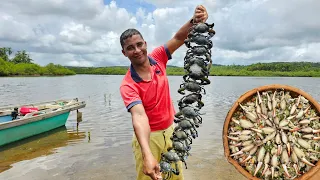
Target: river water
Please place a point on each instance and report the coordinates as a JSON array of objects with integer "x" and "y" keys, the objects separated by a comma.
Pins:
[{"x": 68, "y": 153}]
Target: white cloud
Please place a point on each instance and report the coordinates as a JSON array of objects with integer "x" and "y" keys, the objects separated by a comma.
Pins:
[
  {"x": 112, "y": 18},
  {"x": 80, "y": 63},
  {"x": 76, "y": 33},
  {"x": 86, "y": 33},
  {"x": 13, "y": 30}
]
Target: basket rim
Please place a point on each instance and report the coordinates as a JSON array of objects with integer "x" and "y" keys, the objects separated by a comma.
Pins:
[{"x": 244, "y": 97}]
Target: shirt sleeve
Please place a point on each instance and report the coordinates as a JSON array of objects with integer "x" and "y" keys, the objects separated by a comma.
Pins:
[
  {"x": 161, "y": 54},
  {"x": 130, "y": 96}
]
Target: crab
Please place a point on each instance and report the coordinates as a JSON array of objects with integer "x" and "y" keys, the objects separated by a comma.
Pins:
[
  {"x": 166, "y": 168},
  {"x": 189, "y": 112},
  {"x": 180, "y": 147},
  {"x": 186, "y": 124},
  {"x": 181, "y": 150},
  {"x": 203, "y": 63},
  {"x": 181, "y": 136},
  {"x": 198, "y": 51},
  {"x": 198, "y": 39},
  {"x": 195, "y": 72},
  {"x": 202, "y": 28},
  {"x": 190, "y": 99},
  {"x": 171, "y": 157},
  {"x": 191, "y": 86}
]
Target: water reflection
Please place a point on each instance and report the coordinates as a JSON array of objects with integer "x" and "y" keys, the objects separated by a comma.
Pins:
[{"x": 36, "y": 146}]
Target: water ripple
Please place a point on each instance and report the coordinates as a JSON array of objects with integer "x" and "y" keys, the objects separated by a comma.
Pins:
[{"x": 71, "y": 154}]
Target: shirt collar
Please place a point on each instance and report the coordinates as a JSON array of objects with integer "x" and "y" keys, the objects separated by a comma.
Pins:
[{"x": 135, "y": 76}]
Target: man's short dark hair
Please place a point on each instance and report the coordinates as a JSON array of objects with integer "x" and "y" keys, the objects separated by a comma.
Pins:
[{"x": 127, "y": 34}]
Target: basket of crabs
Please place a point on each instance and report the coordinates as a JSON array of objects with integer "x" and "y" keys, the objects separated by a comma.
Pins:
[{"x": 272, "y": 132}]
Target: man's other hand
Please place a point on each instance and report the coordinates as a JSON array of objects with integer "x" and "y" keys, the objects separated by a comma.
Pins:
[{"x": 151, "y": 167}]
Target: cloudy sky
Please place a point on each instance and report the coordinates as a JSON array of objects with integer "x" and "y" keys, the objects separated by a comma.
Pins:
[{"x": 86, "y": 32}]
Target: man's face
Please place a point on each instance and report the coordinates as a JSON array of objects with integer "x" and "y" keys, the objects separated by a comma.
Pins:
[{"x": 135, "y": 48}]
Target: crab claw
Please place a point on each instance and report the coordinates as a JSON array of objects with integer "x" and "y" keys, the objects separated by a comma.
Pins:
[
  {"x": 245, "y": 149},
  {"x": 259, "y": 97},
  {"x": 274, "y": 113},
  {"x": 237, "y": 145},
  {"x": 279, "y": 149},
  {"x": 295, "y": 166},
  {"x": 263, "y": 116},
  {"x": 234, "y": 138},
  {"x": 300, "y": 154},
  {"x": 307, "y": 162},
  {"x": 311, "y": 136},
  {"x": 235, "y": 121},
  {"x": 286, "y": 170},
  {"x": 237, "y": 153},
  {"x": 266, "y": 167},
  {"x": 288, "y": 148},
  {"x": 316, "y": 138},
  {"x": 295, "y": 129},
  {"x": 272, "y": 172},
  {"x": 258, "y": 168},
  {"x": 316, "y": 131},
  {"x": 247, "y": 159}
]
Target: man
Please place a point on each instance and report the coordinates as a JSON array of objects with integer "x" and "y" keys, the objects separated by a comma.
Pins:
[{"x": 146, "y": 95}]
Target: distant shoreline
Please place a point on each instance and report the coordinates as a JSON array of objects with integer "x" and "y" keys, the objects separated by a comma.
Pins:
[{"x": 275, "y": 69}]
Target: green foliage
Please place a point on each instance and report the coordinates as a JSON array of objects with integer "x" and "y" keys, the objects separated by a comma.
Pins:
[
  {"x": 4, "y": 69},
  {"x": 21, "y": 57},
  {"x": 21, "y": 65},
  {"x": 5, "y": 52},
  {"x": 30, "y": 69},
  {"x": 52, "y": 69},
  {"x": 26, "y": 69},
  {"x": 116, "y": 70},
  {"x": 287, "y": 69}
]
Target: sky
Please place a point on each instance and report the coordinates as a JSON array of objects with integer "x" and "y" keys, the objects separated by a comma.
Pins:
[{"x": 86, "y": 32}]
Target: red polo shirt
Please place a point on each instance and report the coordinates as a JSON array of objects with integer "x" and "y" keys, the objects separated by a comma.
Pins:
[{"x": 153, "y": 94}]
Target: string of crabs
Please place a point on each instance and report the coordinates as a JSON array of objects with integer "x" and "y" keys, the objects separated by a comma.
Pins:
[
  {"x": 275, "y": 135},
  {"x": 197, "y": 64}
]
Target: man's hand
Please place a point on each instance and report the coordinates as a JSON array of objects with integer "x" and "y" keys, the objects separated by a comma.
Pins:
[
  {"x": 200, "y": 14},
  {"x": 151, "y": 168}
]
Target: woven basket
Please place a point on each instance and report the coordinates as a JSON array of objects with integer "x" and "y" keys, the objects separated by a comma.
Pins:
[{"x": 245, "y": 97}]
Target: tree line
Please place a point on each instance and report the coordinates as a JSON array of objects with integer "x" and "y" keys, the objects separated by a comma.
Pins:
[
  {"x": 21, "y": 64},
  {"x": 288, "y": 69}
]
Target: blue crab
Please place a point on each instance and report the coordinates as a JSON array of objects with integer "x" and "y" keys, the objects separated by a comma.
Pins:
[
  {"x": 199, "y": 39},
  {"x": 190, "y": 99},
  {"x": 189, "y": 112},
  {"x": 198, "y": 51},
  {"x": 191, "y": 86},
  {"x": 204, "y": 63},
  {"x": 166, "y": 168},
  {"x": 202, "y": 28},
  {"x": 181, "y": 136},
  {"x": 186, "y": 124},
  {"x": 196, "y": 73}
]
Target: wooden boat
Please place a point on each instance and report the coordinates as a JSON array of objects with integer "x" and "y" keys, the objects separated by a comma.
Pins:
[{"x": 22, "y": 121}]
